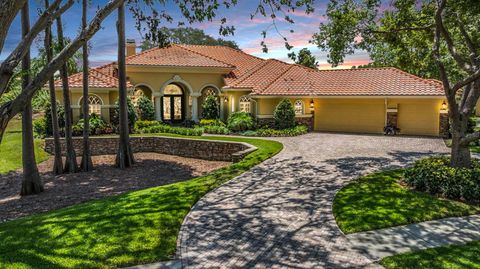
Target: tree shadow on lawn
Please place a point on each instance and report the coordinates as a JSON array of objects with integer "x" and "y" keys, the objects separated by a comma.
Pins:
[{"x": 150, "y": 170}]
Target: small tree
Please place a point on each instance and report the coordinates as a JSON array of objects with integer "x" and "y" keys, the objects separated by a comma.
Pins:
[
  {"x": 284, "y": 115},
  {"x": 210, "y": 108},
  {"x": 132, "y": 116},
  {"x": 145, "y": 108}
]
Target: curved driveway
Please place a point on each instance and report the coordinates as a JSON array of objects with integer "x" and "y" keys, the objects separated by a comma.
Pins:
[{"x": 278, "y": 214}]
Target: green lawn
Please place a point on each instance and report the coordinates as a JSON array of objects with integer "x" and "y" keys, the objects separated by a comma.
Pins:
[
  {"x": 134, "y": 228},
  {"x": 11, "y": 148},
  {"x": 449, "y": 257},
  {"x": 378, "y": 201}
]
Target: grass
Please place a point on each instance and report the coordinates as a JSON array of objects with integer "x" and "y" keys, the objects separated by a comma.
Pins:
[
  {"x": 133, "y": 228},
  {"x": 10, "y": 148},
  {"x": 378, "y": 201},
  {"x": 451, "y": 257}
]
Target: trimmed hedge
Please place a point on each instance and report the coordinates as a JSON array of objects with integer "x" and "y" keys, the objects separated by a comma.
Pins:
[
  {"x": 268, "y": 132},
  {"x": 436, "y": 176},
  {"x": 284, "y": 115},
  {"x": 215, "y": 129},
  {"x": 163, "y": 128},
  {"x": 205, "y": 122}
]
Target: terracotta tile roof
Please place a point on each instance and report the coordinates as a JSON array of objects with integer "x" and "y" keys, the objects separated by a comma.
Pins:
[
  {"x": 242, "y": 61},
  {"x": 96, "y": 79},
  {"x": 350, "y": 82},
  {"x": 174, "y": 56}
]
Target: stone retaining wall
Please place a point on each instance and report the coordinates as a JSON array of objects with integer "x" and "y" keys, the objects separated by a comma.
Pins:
[{"x": 192, "y": 148}]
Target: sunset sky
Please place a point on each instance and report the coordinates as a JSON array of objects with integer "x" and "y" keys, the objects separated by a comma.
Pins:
[{"x": 247, "y": 34}]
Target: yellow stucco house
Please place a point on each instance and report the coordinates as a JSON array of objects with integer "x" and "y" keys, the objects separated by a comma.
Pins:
[{"x": 179, "y": 77}]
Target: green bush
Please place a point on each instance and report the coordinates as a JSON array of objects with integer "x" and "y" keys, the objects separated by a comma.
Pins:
[
  {"x": 284, "y": 115},
  {"x": 210, "y": 108},
  {"x": 142, "y": 124},
  {"x": 40, "y": 127},
  {"x": 436, "y": 176},
  {"x": 240, "y": 121},
  {"x": 48, "y": 119},
  {"x": 163, "y": 128},
  {"x": 145, "y": 109},
  {"x": 297, "y": 130},
  {"x": 96, "y": 124},
  {"x": 205, "y": 122},
  {"x": 214, "y": 129},
  {"x": 132, "y": 116}
]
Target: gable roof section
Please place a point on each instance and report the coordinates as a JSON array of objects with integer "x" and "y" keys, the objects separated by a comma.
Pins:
[
  {"x": 242, "y": 61},
  {"x": 96, "y": 79},
  {"x": 174, "y": 55}
]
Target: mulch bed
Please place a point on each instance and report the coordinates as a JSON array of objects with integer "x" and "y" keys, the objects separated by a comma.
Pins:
[{"x": 150, "y": 170}]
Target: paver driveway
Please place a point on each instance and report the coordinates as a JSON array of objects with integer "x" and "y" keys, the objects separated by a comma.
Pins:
[{"x": 278, "y": 215}]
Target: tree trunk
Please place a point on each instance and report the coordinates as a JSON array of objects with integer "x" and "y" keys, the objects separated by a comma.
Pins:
[
  {"x": 32, "y": 183},
  {"x": 71, "y": 158},
  {"x": 124, "y": 155},
  {"x": 86, "y": 164},
  {"x": 460, "y": 153},
  {"x": 57, "y": 162}
]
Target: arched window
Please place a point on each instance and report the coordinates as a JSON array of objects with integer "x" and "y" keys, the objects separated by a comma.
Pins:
[
  {"x": 173, "y": 89},
  {"x": 94, "y": 104},
  {"x": 209, "y": 91},
  {"x": 299, "y": 106},
  {"x": 245, "y": 104}
]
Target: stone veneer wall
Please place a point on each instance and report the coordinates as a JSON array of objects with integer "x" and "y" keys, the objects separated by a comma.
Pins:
[
  {"x": 270, "y": 122},
  {"x": 444, "y": 130},
  {"x": 192, "y": 148}
]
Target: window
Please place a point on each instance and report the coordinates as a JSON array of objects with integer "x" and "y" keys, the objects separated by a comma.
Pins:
[
  {"x": 245, "y": 104},
  {"x": 298, "y": 107},
  {"x": 94, "y": 104},
  {"x": 173, "y": 89},
  {"x": 209, "y": 91}
]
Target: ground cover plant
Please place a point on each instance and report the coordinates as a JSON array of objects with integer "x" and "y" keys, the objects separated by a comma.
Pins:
[
  {"x": 379, "y": 200},
  {"x": 133, "y": 228},
  {"x": 269, "y": 132},
  {"x": 448, "y": 257},
  {"x": 146, "y": 127},
  {"x": 10, "y": 149}
]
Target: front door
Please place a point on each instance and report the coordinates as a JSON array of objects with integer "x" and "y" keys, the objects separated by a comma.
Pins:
[{"x": 172, "y": 110}]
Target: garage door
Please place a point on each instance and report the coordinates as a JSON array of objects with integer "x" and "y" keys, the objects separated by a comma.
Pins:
[
  {"x": 350, "y": 115},
  {"x": 418, "y": 118}
]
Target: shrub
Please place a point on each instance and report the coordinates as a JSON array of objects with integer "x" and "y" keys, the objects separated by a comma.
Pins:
[
  {"x": 436, "y": 176},
  {"x": 40, "y": 127},
  {"x": 163, "y": 128},
  {"x": 48, "y": 119},
  {"x": 297, "y": 130},
  {"x": 214, "y": 129},
  {"x": 145, "y": 108},
  {"x": 210, "y": 109},
  {"x": 132, "y": 116},
  {"x": 142, "y": 124},
  {"x": 205, "y": 122},
  {"x": 96, "y": 124},
  {"x": 284, "y": 115},
  {"x": 240, "y": 121}
]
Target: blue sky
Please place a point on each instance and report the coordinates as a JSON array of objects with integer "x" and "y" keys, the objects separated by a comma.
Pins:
[{"x": 247, "y": 34}]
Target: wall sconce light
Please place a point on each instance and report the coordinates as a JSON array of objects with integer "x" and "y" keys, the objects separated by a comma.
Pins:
[
  {"x": 225, "y": 99},
  {"x": 311, "y": 104},
  {"x": 444, "y": 105}
]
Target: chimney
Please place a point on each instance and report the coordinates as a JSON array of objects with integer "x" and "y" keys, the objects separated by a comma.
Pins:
[{"x": 131, "y": 47}]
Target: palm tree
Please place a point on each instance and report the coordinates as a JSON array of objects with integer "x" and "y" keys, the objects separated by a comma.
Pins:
[
  {"x": 124, "y": 155},
  {"x": 71, "y": 158},
  {"x": 32, "y": 183},
  {"x": 86, "y": 164},
  {"x": 58, "y": 163}
]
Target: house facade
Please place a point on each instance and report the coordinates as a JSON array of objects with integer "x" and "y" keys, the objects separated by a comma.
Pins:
[{"x": 179, "y": 77}]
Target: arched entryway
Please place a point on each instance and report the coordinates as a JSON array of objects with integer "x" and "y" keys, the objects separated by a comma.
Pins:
[{"x": 173, "y": 103}]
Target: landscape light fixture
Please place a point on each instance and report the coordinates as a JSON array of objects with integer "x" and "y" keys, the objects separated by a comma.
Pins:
[{"x": 444, "y": 105}]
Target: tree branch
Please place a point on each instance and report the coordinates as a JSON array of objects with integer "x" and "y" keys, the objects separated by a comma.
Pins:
[
  {"x": 470, "y": 45},
  {"x": 11, "y": 62},
  {"x": 466, "y": 81},
  {"x": 10, "y": 109},
  {"x": 8, "y": 10}
]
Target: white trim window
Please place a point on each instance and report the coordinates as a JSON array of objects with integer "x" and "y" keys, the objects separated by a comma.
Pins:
[
  {"x": 245, "y": 104},
  {"x": 94, "y": 104},
  {"x": 299, "y": 107}
]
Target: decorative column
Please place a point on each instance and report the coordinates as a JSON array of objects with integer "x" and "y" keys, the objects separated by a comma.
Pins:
[
  {"x": 195, "y": 106},
  {"x": 444, "y": 128},
  {"x": 158, "y": 106},
  {"x": 222, "y": 101}
]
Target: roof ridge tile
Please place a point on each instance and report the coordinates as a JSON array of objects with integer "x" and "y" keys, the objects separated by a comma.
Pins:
[{"x": 180, "y": 46}]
